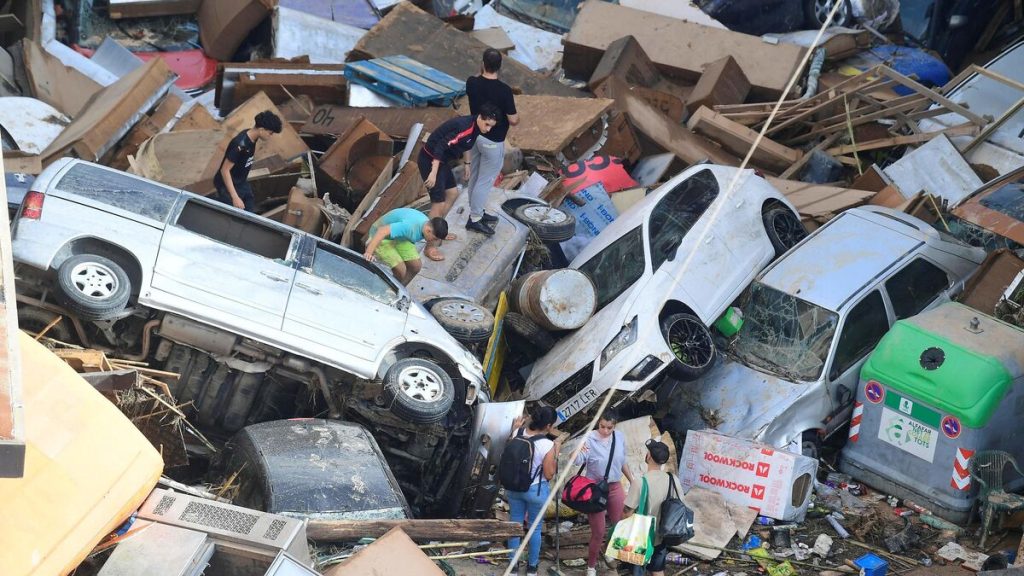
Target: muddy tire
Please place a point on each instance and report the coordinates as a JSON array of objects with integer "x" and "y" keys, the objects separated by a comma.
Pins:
[
  {"x": 418, "y": 390},
  {"x": 810, "y": 444},
  {"x": 549, "y": 223},
  {"x": 33, "y": 320},
  {"x": 784, "y": 229},
  {"x": 691, "y": 343},
  {"x": 93, "y": 287},
  {"x": 527, "y": 336},
  {"x": 816, "y": 11},
  {"x": 467, "y": 321}
]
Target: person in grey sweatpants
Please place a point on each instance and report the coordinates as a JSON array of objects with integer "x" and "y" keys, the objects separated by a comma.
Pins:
[{"x": 488, "y": 154}]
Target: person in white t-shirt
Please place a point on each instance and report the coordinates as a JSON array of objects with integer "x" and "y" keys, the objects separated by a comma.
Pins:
[{"x": 529, "y": 505}]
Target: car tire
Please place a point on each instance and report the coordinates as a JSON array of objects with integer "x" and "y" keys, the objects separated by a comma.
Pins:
[
  {"x": 93, "y": 287},
  {"x": 784, "y": 229},
  {"x": 815, "y": 12},
  {"x": 466, "y": 321},
  {"x": 691, "y": 343},
  {"x": 535, "y": 340},
  {"x": 810, "y": 444},
  {"x": 549, "y": 223},
  {"x": 418, "y": 390},
  {"x": 33, "y": 320}
]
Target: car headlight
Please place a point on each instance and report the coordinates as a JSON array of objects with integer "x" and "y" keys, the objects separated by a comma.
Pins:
[{"x": 624, "y": 339}]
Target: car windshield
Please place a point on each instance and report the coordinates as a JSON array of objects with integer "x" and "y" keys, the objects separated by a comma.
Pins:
[
  {"x": 784, "y": 335},
  {"x": 614, "y": 269}
]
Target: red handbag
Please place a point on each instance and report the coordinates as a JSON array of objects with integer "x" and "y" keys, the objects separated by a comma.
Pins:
[{"x": 585, "y": 494}]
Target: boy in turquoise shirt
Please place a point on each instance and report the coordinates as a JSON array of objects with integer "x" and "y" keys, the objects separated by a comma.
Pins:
[{"x": 393, "y": 238}]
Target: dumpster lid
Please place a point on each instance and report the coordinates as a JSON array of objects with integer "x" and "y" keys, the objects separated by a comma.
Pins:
[{"x": 938, "y": 358}]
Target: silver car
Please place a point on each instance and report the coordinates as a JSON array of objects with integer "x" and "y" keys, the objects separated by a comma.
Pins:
[
  {"x": 112, "y": 238},
  {"x": 811, "y": 320}
]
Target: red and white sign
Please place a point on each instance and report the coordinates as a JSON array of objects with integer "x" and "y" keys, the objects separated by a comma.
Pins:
[
  {"x": 961, "y": 479},
  {"x": 858, "y": 414},
  {"x": 748, "y": 473}
]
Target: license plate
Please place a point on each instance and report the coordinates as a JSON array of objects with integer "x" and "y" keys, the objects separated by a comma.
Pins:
[{"x": 577, "y": 403}]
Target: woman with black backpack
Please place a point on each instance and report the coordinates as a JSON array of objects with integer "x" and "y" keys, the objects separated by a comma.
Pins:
[{"x": 529, "y": 502}]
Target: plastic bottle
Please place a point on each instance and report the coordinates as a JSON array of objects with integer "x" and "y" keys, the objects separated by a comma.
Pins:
[
  {"x": 677, "y": 558},
  {"x": 838, "y": 527},
  {"x": 765, "y": 521}
]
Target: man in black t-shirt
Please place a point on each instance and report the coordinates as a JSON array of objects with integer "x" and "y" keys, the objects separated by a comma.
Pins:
[
  {"x": 232, "y": 179},
  {"x": 488, "y": 153}
]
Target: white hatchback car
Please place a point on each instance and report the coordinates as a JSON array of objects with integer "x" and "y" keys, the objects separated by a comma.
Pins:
[{"x": 664, "y": 272}]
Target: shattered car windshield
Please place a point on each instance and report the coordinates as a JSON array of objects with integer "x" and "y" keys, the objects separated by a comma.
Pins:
[
  {"x": 617, "y": 267},
  {"x": 785, "y": 335}
]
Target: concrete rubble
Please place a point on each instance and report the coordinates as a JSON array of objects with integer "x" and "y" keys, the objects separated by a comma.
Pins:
[{"x": 848, "y": 408}]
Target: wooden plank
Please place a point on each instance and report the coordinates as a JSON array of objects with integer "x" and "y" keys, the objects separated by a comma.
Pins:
[
  {"x": 933, "y": 95},
  {"x": 679, "y": 48},
  {"x": 819, "y": 203},
  {"x": 395, "y": 122},
  {"x": 796, "y": 166},
  {"x": 738, "y": 139},
  {"x": 407, "y": 30},
  {"x": 722, "y": 82},
  {"x": 420, "y": 530},
  {"x": 994, "y": 125},
  {"x": 842, "y": 125},
  {"x": 495, "y": 38},
  {"x": 961, "y": 130},
  {"x": 147, "y": 8},
  {"x": 548, "y": 123},
  {"x": 371, "y": 72}
]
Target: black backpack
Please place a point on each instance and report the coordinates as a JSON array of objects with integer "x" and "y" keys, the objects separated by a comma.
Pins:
[
  {"x": 516, "y": 462},
  {"x": 675, "y": 519}
]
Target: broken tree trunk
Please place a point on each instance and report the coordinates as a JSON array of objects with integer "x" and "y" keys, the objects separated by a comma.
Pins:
[{"x": 442, "y": 530}]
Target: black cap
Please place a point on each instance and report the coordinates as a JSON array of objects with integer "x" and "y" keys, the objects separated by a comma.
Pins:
[{"x": 658, "y": 450}]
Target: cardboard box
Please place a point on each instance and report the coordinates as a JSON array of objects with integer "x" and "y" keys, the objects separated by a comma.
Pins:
[
  {"x": 776, "y": 483},
  {"x": 224, "y": 24}
]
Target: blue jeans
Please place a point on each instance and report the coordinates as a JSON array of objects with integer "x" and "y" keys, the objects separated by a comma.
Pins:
[{"x": 521, "y": 503}]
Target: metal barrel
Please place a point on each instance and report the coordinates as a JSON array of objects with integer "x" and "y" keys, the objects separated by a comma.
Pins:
[{"x": 555, "y": 299}]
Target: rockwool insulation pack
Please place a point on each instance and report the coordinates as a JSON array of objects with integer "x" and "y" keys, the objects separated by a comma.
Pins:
[{"x": 775, "y": 482}]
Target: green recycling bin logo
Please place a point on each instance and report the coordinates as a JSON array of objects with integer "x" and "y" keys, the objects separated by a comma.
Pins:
[
  {"x": 897, "y": 433},
  {"x": 907, "y": 434}
]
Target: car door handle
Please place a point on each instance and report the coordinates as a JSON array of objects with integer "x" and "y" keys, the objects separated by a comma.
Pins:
[
  {"x": 273, "y": 276},
  {"x": 308, "y": 288}
]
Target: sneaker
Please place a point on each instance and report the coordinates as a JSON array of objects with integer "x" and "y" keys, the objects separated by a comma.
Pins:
[
  {"x": 591, "y": 571},
  {"x": 488, "y": 218},
  {"x": 479, "y": 226},
  {"x": 531, "y": 571}
]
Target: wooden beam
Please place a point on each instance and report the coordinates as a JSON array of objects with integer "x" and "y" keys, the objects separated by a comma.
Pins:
[
  {"x": 994, "y": 126},
  {"x": 933, "y": 95},
  {"x": 796, "y": 166},
  {"x": 999, "y": 77},
  {"x": 420, "y": 530},
  {"x": 856, "y": 121},
  {"x": 961, "y": 130}
]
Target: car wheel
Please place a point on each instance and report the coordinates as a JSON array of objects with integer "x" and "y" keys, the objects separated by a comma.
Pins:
[
  {"x": 467, "y": 321},
  {"x": 816, "y": 11},
  {"x": 419, "y": 391},
  {"x": 810, "y": 444},
  {"x": 691, "y": 344},
  {"x": 93, "y": 287},
  {"x": 551, "y": 224},
  {"x": 784, "y": 229},
  {"x": 530, "y": 338},
  {"x": 34, "y": 320}
]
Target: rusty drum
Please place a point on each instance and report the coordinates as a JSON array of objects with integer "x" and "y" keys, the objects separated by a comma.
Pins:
[{"x": 555, "y": 299}]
